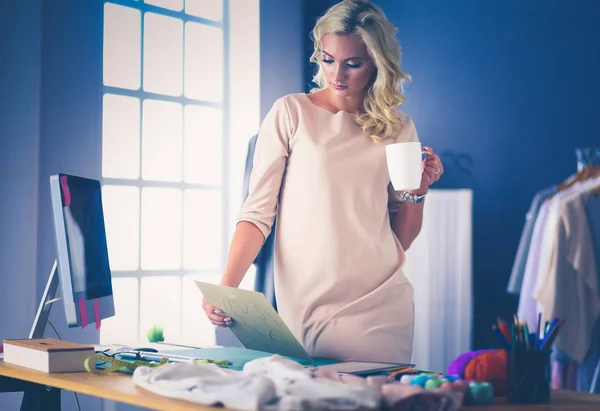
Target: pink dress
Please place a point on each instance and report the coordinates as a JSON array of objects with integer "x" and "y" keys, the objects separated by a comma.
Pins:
[{"x": 338, "y": 265}]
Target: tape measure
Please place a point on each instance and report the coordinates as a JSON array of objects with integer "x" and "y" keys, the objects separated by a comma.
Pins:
[{"x": 118, "y": 365}]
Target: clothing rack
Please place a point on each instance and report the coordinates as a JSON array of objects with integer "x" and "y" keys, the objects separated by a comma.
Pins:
[{"x": 557, "y": 270}]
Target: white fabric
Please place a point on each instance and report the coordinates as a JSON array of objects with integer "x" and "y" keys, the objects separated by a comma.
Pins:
[
  {"x": 271, "y": 383},
  {"x": 571, "y": 286},
  {"x": 549, "y": 237},
  {"x": 527, "y": 310},
  {"x": 560, "y": 275},
  {"x": 439, "y": 265}
]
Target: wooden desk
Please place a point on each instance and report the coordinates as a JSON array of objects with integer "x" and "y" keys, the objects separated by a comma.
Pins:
[
  {"x": 120, "y": 387},
  {"x": 116, "y": 387}
]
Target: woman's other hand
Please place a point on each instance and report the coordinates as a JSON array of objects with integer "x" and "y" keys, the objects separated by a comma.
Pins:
[{"x": 432, "y": 168}]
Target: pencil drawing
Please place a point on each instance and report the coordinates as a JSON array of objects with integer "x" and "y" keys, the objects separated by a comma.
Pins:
[{"x": 240, "y": 312}]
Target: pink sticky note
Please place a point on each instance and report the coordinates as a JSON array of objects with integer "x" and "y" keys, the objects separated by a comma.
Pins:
[
  {"x": 83, "y": 313},
  {"x": 66, "y": 194},
  {"x": 97, "y": 313}
]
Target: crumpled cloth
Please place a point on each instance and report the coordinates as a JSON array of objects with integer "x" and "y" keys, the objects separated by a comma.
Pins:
[{"x": 278, "y": 384}]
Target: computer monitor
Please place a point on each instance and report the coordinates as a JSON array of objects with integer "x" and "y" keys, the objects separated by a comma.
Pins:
[{"x": 81, "y": 267}]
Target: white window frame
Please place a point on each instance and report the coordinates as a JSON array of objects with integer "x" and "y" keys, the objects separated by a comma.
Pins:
[{"x": 230, "y": 154}]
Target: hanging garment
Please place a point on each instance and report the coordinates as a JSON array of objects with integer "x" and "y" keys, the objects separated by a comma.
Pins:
[
  {"x": 527, "y": 310},
  {"x": 587, "y": 369},
  {"x": 569, "y": 286},
  {"x": 518, "y": 271}
]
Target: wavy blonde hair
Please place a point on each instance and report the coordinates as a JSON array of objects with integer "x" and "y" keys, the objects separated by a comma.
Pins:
[{"x": 383, "y": 95}]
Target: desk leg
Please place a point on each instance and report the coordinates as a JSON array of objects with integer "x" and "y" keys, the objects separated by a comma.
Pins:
[
  {"x": 36, "y": 397},
  {"x": 41, "y": 398}
]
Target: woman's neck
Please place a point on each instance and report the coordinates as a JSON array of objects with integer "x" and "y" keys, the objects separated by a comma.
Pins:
[{"x": 350, "y": 104}]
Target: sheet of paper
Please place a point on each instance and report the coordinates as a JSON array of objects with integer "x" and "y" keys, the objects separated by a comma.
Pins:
[
  {"x": 255, "y": 323},
  {"x": 359, "y": 367}
]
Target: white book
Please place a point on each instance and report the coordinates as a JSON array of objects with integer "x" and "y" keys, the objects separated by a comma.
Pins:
[{"x": 47, "y": 354}]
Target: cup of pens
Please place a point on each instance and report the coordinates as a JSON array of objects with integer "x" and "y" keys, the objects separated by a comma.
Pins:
[{"x": 528, "y": 368}]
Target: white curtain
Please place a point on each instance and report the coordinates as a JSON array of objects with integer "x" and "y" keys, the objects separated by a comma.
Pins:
[{"x": 439, "y": 267}]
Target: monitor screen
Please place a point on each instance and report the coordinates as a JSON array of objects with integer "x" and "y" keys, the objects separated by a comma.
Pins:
[
  {"x": 82, "y": 250},
  {"x": 84, "y": 222}
]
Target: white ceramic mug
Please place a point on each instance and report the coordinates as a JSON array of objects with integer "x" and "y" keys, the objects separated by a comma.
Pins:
[{"x": 405, "y": 165}]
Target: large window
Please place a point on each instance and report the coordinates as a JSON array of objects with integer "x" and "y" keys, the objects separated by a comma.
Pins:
[{"x": 176, "y": 75}]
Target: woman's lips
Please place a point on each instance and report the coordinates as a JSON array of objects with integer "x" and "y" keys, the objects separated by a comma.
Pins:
[{"x": 338, "y": 86}]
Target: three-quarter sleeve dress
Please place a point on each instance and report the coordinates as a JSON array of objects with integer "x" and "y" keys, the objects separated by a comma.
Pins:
[{"x": 338, "y": 264}]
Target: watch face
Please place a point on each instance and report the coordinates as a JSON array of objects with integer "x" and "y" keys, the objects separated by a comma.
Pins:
[{"x": 419, "y": 199}]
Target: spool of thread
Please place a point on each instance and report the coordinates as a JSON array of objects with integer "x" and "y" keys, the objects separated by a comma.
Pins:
[
  {"x": 480, "y": 393},
  {"x": 446, "y": 386},
  {"x": 421, "y": 380},
  {"x": 407, "y": 378},
  {"x": 452, "y": 378},
  {"x": 432, "y": 383}
]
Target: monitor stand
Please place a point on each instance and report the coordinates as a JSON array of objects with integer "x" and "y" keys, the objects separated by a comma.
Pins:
[{"x": 48, "y": 298}]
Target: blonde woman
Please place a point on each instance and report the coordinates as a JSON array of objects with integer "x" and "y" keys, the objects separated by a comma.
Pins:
[{"x": 341, "y": 231}]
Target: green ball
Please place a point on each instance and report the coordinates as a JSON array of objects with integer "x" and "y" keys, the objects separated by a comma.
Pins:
[
  {"x": 155, "y": 334},
  {"x": 433, "y": 383}
]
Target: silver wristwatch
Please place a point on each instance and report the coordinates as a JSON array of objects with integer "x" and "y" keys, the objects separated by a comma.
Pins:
[{"x": 412, "y": 198}]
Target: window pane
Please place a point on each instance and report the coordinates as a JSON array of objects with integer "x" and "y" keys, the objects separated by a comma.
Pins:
[
  {"x": 163, "y": 54},
  {"x": 198, "y": 330},
  {"x": 161, "y": 305},
  {"x": 122, "y": 46},
  {"x": 123, "y": 327},
  {"x": 176, "y": 5},
  {"x": 120, "y": 137},
  {"x": 162, "y": 141},
  {"x": 202, "y": 229},
  {"x": 203, "y": 154},
  {"x": 208, "y": 9},
  {"x": 203, "y": 62},
  {"x": 249, "y": 280},
  {"x": 122, "y": 214},
  {"x": 161, "y": 228}
]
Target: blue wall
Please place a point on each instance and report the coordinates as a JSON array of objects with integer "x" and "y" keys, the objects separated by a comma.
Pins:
[
  {"x": 50, "y": 96},
  {"x": 281, "y": 42},
  {"x": 514, "y": 85},
  {"x": 20, "y": 59}
]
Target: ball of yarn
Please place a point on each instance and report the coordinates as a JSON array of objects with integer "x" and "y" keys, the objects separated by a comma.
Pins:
[
  {"x": 489, "y": 367},
  {"x": 432, "y": 383},
  {"x": 457, "y": 367},
  {"x": 446, "y": 386}
]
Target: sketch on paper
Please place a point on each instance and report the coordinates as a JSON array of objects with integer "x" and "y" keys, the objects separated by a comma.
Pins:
[
  {"x": 241, "y": 312},
  {"x": 255, "y": 323}
]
